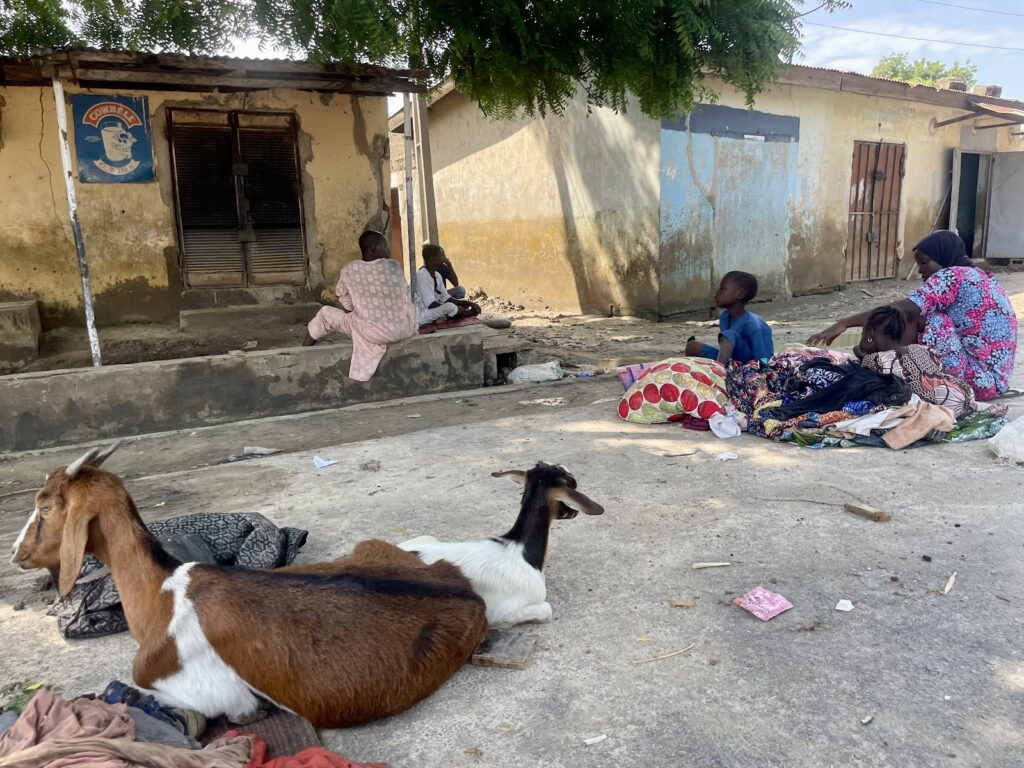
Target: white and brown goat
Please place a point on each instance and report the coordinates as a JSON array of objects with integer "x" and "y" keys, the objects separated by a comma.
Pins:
[
  {"x": 508, "y": 571},
  {"x": 339, "y": 643}
]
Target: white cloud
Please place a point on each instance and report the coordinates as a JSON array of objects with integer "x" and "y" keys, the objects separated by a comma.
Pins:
[{"x": 838, "y": 48}]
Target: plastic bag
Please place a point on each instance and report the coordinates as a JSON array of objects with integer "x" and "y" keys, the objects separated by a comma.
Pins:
[
  {"x": 532, "y": 374},
  {"x": 724, "y": 426},
  {"x": 1009, "y": 442}
]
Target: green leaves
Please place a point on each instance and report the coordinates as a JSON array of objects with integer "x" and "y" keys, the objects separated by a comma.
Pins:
[
  {"x": 512, "y": 56},
  {"x": 896, "y": 66}
]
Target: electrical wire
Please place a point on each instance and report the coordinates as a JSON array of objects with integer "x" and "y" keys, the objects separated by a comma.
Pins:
[
  {"x": 917, "y": 39},
  {"x": 971, "y": 8}
]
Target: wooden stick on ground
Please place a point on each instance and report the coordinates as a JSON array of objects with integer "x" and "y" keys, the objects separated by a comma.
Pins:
[
  {"x": 863, "y": 510},
  {"x": 690, "y": 647}
]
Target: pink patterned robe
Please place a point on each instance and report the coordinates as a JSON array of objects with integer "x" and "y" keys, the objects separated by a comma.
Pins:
[{"x": 379, "y": 312}]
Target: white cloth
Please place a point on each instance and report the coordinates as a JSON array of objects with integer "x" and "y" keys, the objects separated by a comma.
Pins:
[
  {"x": 429, "y": 289},
  {"x": 428, "y": 316},
  {"x": 887, "y": 419}
]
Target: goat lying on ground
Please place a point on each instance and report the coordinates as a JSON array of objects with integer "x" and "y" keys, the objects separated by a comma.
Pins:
[
  {"x": 508, "y": 572},
  {"x": 339, "y": 643}
]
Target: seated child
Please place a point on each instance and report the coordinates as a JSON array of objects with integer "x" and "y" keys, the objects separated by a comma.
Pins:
[
  {"x": 433, "y": 302},
  {"x": 881, "y": 351},
  {"x": 447, "y": 272},
  {"x": 743, "y": 336}
]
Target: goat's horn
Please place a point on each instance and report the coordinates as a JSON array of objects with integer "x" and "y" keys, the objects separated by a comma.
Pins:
[
  {"x": 576, "y": 500},
  {"x": 517, "y": 475},
  {"x": 75, "y": 467},
  {"x": 99, "y": 458}
]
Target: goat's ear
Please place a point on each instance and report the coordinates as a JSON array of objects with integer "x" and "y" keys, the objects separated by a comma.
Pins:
[
  {"x": 73, "y": 542},
  {"x": 576, "y": 500},
  {"x": 517, "y": 475}
]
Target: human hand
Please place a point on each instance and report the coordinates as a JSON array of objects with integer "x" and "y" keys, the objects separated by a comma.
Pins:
[{"x": 826, "y": 337}]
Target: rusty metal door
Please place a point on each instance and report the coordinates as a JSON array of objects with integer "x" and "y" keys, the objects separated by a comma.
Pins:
[{"x": 875, "y": 186}]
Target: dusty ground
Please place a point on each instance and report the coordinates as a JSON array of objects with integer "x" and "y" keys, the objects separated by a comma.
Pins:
[
  {"x": 582, "y": 342},
  {"x": 941, "y": 676},
  {"x": 588, "y": 341}
]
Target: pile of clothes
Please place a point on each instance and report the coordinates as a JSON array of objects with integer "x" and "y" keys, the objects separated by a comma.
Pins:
[
  {"x": 124, "y": 728},
  {"x": 817, "y": 397}
]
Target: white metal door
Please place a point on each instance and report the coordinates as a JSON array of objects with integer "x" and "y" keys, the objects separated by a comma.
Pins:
[{"x": 1006, "y": 207}]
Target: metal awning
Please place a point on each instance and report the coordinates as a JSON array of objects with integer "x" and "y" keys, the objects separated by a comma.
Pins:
[
  {"x": 1006, "y": 116},
  {"x": 178, "y": 72}
]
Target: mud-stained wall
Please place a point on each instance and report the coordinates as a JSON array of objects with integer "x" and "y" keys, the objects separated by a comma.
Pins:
[
  {"x": 793, "y": 199},
  {"x": 130, "y": 231},
  {"x": 564, "y": 208},
  {"x": 591, "y": 210},
  {"x": 727, "y": 176}
]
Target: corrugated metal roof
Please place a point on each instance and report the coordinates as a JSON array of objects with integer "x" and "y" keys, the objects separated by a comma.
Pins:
[{"x": 92, "y": 67}]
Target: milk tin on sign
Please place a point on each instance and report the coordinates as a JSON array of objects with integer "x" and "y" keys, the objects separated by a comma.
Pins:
[{"x": 113, "y": 138}]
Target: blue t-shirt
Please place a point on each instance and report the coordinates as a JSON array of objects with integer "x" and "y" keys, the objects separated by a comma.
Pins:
[{"x": 750, "y": 336}]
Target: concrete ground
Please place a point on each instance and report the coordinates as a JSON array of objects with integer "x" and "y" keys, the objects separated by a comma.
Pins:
[{"x": 940, "y": 675}]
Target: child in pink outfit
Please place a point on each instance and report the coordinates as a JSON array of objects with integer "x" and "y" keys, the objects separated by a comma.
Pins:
[{"x": 376, "y": 310}]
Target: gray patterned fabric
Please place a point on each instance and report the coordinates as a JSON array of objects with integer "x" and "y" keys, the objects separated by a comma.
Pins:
[{"x": 93, "y": 607}]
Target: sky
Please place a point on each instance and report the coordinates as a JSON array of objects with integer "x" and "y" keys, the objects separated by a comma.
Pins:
[{"x": 858, "y": 52}]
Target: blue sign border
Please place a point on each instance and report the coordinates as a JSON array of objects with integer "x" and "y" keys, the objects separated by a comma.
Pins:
[{"x": 113, "y": 138}]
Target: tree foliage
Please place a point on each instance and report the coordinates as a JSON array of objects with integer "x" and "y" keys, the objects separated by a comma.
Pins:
[
  {"x": 897, "y": 66},
  {"x": 509, "y": 55}
]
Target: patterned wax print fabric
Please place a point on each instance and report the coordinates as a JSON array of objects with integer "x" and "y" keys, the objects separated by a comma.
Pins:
[
  {"x": 922, "y": 369},
  {"x": 971, "y": 326},
  {"x": 676, "y": 388}
]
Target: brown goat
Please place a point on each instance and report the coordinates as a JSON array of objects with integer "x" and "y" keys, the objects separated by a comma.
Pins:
[{"x": 339, "y": 643}]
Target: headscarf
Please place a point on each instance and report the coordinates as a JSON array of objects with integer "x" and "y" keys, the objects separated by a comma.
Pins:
[{"x": 945, "y": 248}]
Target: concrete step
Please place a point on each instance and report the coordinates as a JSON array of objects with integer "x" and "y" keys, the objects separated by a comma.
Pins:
[
  {"x": 39, "y": 410},
  {"x": 219, "y": 318}
]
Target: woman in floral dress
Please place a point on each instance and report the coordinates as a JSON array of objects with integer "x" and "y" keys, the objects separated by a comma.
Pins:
[{"x": 960, "y": 312}]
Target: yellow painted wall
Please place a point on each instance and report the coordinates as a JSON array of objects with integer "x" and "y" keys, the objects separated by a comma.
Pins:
[
  {"x": 566, "y": 208},
  {"x": 130, "y": 232},
  {"x": 563, "y": 208}
]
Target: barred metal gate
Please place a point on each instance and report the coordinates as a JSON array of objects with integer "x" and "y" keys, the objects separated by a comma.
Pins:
[{"x": 876, "y": 183}]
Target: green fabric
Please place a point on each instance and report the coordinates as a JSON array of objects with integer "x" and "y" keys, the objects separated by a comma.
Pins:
[{"x": 979, "y": 426}]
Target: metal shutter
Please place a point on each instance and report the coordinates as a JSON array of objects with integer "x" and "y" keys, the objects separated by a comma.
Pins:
[
  {"x": 239, "y": 199},
  {"x": 277, "y": 253},
  {"x": 208, "y": 206}
]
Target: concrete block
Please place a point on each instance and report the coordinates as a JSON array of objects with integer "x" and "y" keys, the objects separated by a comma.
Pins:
[
  {"x": 221, "y": 318},
  {"x": 20, "y": 334},
  {"x": 43, "y": 409}
]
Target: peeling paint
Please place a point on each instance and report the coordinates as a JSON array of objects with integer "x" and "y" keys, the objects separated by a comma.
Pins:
[{"x": 130, "y": 229}]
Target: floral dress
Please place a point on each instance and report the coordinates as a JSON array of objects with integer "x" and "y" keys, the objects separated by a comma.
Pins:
[{"x": 971, "y": 326}]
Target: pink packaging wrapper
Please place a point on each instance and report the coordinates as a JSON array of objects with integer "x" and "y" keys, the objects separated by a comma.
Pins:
[
  {"x": 629, "y": 374},
  {"x": 762, "y": 603}
]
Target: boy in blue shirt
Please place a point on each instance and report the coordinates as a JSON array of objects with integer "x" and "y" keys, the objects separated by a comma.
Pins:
[{"x": 743, "y": 336}]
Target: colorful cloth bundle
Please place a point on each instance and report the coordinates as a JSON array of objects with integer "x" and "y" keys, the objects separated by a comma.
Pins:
[{"x": 676, "y": 388}]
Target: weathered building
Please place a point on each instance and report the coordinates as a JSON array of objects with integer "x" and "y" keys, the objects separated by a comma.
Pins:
[
  {"x": 827, "y": 179},
  {"x": 200, "y": 182}
]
